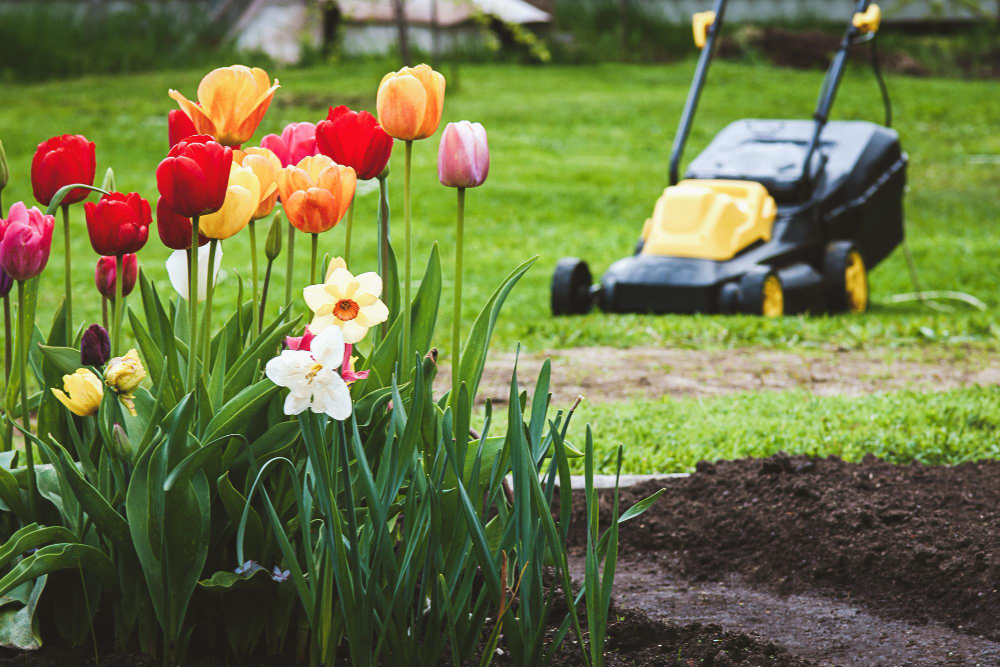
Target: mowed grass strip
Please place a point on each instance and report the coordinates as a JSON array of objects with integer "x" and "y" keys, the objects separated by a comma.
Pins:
[
  {"x": 579, "y": 156},
  {"x": 672, "y": 435}
]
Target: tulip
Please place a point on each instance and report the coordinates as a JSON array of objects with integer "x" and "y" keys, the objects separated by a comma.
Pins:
[
  {"x": 60, "y": 161},
  {"x": 179, "y": 126},
  {"x": 231, "y": 103},
  {"x": 95, "y": 346},
  {"x": 177, "y": 272},
  {"x": 120, "y": 445},
  {"x": 316, "y": 193},
  {"x": 297, "y": 141},
  {"x": 242, "y": 198},
  {"x": 25, "y": 241},
  {"x": 463, "y": 157},
  {"x": 265, "y": 165},
  {"x": 81, "y": 393},
  {"x": 104, "y": 275},
  {"x": 354, "y": 139},
  {"x": 123, "y": 374},
  {"x": 174, "y": 229},
  {"x": 118, "y": 224},
  {"x": 410, "y": 102},
  {"x": 193, "y": 178}
]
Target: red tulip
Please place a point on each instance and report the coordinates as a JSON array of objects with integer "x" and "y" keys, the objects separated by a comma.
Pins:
[
  {"x": 297, "y": 141},
  {"x": 61, "y": 161},
  {"x": 104, "y": 275},
  {"x": 354, "y": 139},
  {"x": 194, "y": 176},
  {"x": 25, "y": 241},
  {"x": 179, "y": 126},
  {"x": 118, "y": 224},
  {"x": 174, "y": 229}
]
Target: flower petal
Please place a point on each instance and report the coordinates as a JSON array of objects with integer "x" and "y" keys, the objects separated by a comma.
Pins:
[{"x": 328, "y": 348}]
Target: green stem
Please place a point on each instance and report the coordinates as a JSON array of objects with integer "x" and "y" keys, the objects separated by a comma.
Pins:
[
  {"x": 69, "y": 277},
  {"x": 253, "y": 268},
  {"x": 350, "y": 224},
  {"x": 456, "y": 323},
  {"x": 289, "y": 269},
  {"x": 192, "y": 304},
  {"x": 8, "y": 361},
  {"x": 383, "y": 223},
  {"x": 23, "y": 343},
  {"x": 263, "y": 296},
  {"x": 119, "y": 306},
  {"x": 312, "y": 264},
  {"x": 206, "y": 350},
  {"x": 104, "y": 312},
  {"x": 406, "y": 260}
]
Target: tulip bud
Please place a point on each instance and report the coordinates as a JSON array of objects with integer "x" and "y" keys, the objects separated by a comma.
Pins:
[
  {"x": 95, "y": 346},
  {"x": 108, "y": 183},
  {"x": 120, "y": 446},
  {"x": 106, "y": 273},
  {"x": 273, "y": 246},
  {"x": 4, "y": 169},
  {"x": 123, "y": 375},
  {"x": 464, "y": 157}
]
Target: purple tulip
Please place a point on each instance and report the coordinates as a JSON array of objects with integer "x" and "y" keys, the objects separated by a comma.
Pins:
[
  {"x": 464, "y": 156},
  {"x": 25, "y": 241},
  {"x": 95, "y": 346}
]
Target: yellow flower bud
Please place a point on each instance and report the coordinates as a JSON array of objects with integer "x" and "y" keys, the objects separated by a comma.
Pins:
[
  {"x": 81, "y": 393},
  {"x": 123, "y": 375}
]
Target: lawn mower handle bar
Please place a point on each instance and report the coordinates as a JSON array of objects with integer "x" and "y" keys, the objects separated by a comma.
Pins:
[{"x": 827, "y": 93}]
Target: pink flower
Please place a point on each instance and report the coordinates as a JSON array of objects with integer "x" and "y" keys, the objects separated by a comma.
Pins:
[
  {"x": 25, "y": 241},
  {"x": 297, "y": 141},
  {"x": 302, "y": 342},
  {"x": 464, "y": 157},
  {"x": 347, "y": 372}
]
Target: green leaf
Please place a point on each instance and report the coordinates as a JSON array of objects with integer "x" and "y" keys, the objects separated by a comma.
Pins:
[
  {"x": 65, "y": 359},
  {"x": 55, "y": 557},
  {"x": 238, "y": 410},
  {"x": 235, "y": 503},
  {"x": 31, "y": 537},
  {"x": 12, "y": 399},
  {"x": 227, "y": 581},
  {"x": 18, "y": 626}
]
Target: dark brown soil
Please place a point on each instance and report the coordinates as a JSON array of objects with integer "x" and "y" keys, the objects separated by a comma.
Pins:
[{"x": 824, "y": 539}]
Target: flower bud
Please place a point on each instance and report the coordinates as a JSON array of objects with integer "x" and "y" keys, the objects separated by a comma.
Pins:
[
  {"x": 4, "y": 169},
  {"x": 95, "y": 346},
  {"x": 109, "y": 181},
  {"x": 81, "y": 393},
  {"x": 273, "y": 246},
  {"x": 120, "y": 446},
  {"x": 123, "y": 375}
]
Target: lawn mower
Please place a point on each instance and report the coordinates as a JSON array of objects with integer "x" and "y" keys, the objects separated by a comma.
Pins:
[{"x": 773, "y": 217}]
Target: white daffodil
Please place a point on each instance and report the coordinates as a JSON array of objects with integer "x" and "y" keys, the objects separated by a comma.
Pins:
[
  {"x": 311, "y": 376},
  {"x": 346, "y": 301},
  {"x": 177, "y": 270}
]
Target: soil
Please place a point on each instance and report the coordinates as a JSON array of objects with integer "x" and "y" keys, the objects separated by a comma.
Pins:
[
  {"x": 846, "y": 564},
  {"x": 650, "y": 372}
]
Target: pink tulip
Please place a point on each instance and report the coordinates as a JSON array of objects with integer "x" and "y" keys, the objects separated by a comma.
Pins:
[
  {"x": 464, "y": 157},
  {"x": 25, "y": 241},
  {"x": 297, "y": 140}
]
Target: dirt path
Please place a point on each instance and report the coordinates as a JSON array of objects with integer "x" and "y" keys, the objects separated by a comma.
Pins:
[{"x": 606, "y": 374}]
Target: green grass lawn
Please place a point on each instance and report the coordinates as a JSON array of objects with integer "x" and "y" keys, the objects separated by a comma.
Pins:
[{"x": 578, "y": 159}]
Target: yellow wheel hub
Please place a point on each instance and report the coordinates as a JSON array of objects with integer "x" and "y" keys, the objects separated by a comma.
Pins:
[
  {"x": 856, "y": 283},
  {"x": 774, "y": 298}
]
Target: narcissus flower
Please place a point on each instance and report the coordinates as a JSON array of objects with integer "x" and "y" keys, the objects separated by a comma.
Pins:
[
  {"x": 105, "y": 274},
  {"x": 354, "y": 139},
  {"x": 174, "y": 229},
  {"x": 123, "y": 375},
  {"x": 179, "y": 126},
  {"x": 265, "y": 165},
  {"x": 350, "y": 303},
  {"x": 316, "y": 193},
  {"x": 193, "y": 178},
  {"x": 118, "y": 224},
  {"x": 231, "y": 103},
  {"x": 95, "y": 346},
  {"x": 410, "y": 102},
  {"x": 61, "y": 161},
  {"x": 81, "y": 393},
  {"x": 297, "y": 141},
  {"x": 177, "y": 271},
  {"x": 312, "y": 378},
  {"x": 464, "y": 156},
  {"x": 242, "y": 199},
  {"x": 25, "y": 241}
]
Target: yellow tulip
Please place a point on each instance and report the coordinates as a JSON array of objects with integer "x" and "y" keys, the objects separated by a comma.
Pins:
[
  {"x": 242, "y": 200},
  {"x": 410, "y": 102},
  {"x": 81, "y": 393},
  {"x": 265, "y": 165},
  {"x": 231, "y": 103},
  {"x": 316, "y": 193},
  {"x": 123, "y": 375}
]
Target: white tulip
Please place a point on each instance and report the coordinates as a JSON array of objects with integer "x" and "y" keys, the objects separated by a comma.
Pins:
[{"x": 177, "y": 270}]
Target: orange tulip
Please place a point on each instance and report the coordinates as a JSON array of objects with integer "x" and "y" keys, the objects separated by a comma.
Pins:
[
  {"x": 231, "y": 103},
  {"x": 265, "y": 165},
  {"x": 410, "y": 102},
  {"x": 316, "y": 193}
]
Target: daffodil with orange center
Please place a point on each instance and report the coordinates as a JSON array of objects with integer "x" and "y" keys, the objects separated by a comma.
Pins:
[
  {"x": 231, "y": 103},
  {"x": 346, "y": 301}
]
